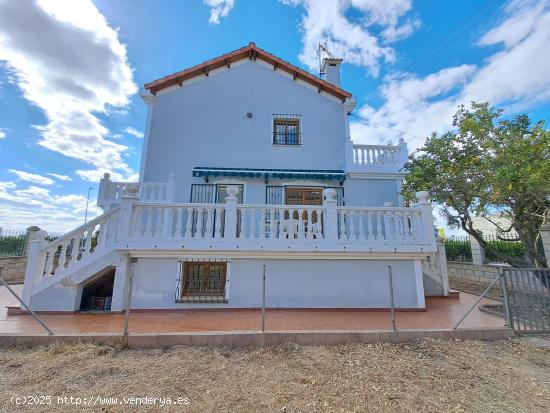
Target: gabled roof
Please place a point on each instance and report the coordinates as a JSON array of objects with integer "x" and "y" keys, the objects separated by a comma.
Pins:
[{"x": 251, "y": 52}]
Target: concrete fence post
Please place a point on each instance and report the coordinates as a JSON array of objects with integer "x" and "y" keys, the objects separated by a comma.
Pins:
[
  {"x": 331, "y": 215},
  {"x": 545, "y": 236},
  {"x": 35, "y": 264},
  {"x": 230, "y": 225},
  {"x": 478, "y": 252},
  {"x": 441, "y": 263},
  {"x": 32, "y": 234}
]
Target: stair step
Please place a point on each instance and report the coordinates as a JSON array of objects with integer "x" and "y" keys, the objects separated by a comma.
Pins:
[{"x": 454, "y": 294}]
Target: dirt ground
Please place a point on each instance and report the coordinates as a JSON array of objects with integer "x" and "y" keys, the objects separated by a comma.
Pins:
[{"x": 421, "y": 376}]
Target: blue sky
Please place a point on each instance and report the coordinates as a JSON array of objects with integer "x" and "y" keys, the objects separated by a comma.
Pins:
[{"x": 69, "y": 102}]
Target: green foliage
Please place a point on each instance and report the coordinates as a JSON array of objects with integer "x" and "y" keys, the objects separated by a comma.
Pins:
[
  {"x": 12, "y": 245},
  {"x": 458, "y": 250},
  {"x": 488, "y": 164},
  {"x": 510, "y": 248}
]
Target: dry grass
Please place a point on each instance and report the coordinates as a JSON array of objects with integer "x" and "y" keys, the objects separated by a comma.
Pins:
[{"x": 421, "y": 376}]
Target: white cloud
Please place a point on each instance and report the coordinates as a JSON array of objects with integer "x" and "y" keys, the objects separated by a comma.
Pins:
[
  {"x": 134, "y": 132},
  {"x": 21, "y": 208},
  {"x": 95, "y": 175},
  {"x": 30, "y": 177},
  {"x": 2, "y": 134},
  {"x": 219, "y": 9},
  {"x": 71, "y": 64},
  {"x": 60, "y": 177},
  {"x": 515, "y": 78},
  {"x": 327, "y": 22}
]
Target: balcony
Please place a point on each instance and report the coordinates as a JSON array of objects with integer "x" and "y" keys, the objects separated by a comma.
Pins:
[
  {"x": 165, "y": 228},
  {"x": 376, "y": 158}
]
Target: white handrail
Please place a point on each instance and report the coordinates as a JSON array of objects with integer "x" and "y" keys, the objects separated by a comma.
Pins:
[{"x": 81, "y": 228}]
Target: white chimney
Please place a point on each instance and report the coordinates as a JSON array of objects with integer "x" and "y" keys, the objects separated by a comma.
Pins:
[{"x": 331, "y": 67}]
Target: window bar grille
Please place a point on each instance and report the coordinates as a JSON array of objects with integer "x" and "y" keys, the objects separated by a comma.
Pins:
[{"x": 202, "y": 287}]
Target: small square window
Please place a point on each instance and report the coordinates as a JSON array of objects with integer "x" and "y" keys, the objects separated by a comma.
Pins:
[
  {"x": 203, "y": 282},
  {"x": 286, "y": 130}
]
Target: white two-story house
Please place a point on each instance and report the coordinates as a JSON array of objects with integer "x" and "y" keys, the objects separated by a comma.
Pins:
[{"x": 248, "y": 168}]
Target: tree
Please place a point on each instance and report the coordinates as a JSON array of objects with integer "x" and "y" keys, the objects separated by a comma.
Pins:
[{"x": 488, "y": 164}]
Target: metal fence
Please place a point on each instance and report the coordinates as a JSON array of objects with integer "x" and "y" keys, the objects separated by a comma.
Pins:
[
  {"x": 458, "y": 248},
  {"x": 12, "y": 242},
  {"x": 527, "y": 299}
]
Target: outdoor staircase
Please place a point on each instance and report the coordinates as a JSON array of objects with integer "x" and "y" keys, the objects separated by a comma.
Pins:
[{"x": 57, "y": 268}]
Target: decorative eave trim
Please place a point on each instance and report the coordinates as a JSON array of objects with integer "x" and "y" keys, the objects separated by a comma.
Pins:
[{"x": 248, "y": 52}]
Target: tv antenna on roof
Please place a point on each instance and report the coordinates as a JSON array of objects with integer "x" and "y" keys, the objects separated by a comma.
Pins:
[{"x": 322, "y": 48}]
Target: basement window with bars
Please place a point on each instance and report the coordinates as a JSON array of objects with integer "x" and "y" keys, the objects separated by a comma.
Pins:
[
  {"x": 287, "y": 129},
  {"x": 202, "y": 281}
]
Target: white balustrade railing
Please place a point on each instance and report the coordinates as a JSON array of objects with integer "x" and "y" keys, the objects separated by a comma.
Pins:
[
  {"x": 277, "y": 222},
  {"x": 75, "y": 246},
  {"x": 380, "y": 224},
  {"x": 377, "y": 155},
  {"x": 289, "y": 222},
  {"x": 154, "y": 192},
  {"x": 200, "y": 221},
  {"x": 110, "y": 193}
]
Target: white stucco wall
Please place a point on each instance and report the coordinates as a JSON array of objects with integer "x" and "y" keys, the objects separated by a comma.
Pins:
[
  {"x": 205, "y": 123},
  {"x": 290, "y": 284},
  {"x": 372, "y": 192}
]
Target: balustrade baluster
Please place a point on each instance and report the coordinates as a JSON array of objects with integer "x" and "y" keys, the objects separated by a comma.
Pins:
[
  {"x": 218, "y": 218},
  {"x": 51, "y": 259},
  {"x": 391, "y": 231},
  {"x": 157, "y": 223},
  {"x": 139, "y": 221},
  {"x": 200, "y": 223},
  {"x": 379, "y": 231},
  {"x": 167, "y": 225},
  {"x": 88, "y": 241},
  {"x": 301, "y": 234},
  {"x": 398, "y": 228},
  {"x": 189, "y": 223},
  {"x": 361, "y": 234},
  {"x": 149, "y": 222},
  {"x": 320, "y": 230},
  {"x": 342, "y": 226},
  {"x": 179, "y": 222},
  {"x": 309, "y": 220},
  {"x": 208, "y": 232},
  {"x": 62, "y": 256},
  {"x": 272, "y": 225},
  {"x": 407, "y": 224},
  {"x": 370, "y": 229},
  {"x": 262, "y": 224},
  {"x": 252, "y": 226},
  {"x": 243, "y": 222}
]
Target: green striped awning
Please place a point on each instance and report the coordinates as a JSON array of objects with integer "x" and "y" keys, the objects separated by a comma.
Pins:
[{"x": 332, "y": 175}]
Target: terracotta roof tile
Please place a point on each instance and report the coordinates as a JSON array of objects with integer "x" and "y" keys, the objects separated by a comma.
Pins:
[{"x": 252, "y": 52}]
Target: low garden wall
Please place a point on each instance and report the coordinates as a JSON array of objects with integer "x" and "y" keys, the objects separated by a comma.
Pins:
[
  {"x": 13, "y": 270},
  {"x": 474, "y": 278}
]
